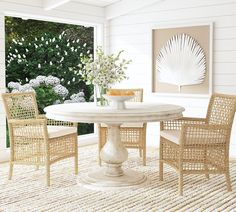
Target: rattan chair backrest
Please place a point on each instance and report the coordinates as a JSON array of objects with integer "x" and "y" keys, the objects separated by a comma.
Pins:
[
  {"x": 20, "y": 105},
  {"x": 221, "y": 109}
]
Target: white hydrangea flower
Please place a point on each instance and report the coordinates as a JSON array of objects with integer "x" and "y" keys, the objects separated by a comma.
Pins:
[
  {"x": 41, "y": 78},
  {"x": 14, "y": 85},
  {"x": 57, "y": 102},
  {"x": 78, "y": 97},
  {"x": 61, "y": 90},
  {"x": 51, "y": 80},
  {"x": 34, "y": 83},
  {"x": 26, "y": 88},
  {"x": 68, "y": 101},
  {"x": 81, "y": 94},
  {"x": 15, "y": 91}
]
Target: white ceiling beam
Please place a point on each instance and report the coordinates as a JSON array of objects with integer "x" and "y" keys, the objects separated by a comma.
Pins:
[
  {"x": 126, "y": 6},
  {"x": 51, "y": 4}
]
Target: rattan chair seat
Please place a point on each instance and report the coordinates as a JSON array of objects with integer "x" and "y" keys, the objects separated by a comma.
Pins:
[{"x": 214, "y": 137}]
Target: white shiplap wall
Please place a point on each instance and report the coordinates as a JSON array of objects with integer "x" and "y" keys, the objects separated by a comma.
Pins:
[
  {"x": 73, "y": 13},
  {"x": 132, "y": 32}
]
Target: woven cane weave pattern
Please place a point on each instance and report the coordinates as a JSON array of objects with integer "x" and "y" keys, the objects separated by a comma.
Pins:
[
  {"x": 27, "y": 192},
  {"x": 131, "y": 137},
  {"x": 21, "y": 106},
  {"x": 203, "y": 145},
  {"x": 30, "y": 142}
]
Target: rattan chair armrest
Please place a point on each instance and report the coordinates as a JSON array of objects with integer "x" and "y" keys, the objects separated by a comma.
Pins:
[
  {"x": 204, "y": 134},
  {"x": 57, "y": 123},
  {"x": 41, "y": 116},
  {"x": 205, "y": 126},
  {"x": 177, "y": 124},
  {"x": 24, "y": 122}
]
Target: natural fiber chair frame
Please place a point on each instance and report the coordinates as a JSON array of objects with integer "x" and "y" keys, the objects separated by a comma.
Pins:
[
  {"x": 203, "y": 145},
  {"x": 29, "y": 139},
  {"x": 131, "y": 137}
]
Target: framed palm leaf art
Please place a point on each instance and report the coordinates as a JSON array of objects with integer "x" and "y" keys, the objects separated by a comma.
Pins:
[{"x": 182, "y": 59}]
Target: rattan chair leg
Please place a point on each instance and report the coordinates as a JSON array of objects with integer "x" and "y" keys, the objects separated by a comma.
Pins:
[
  {"x": 205, "y": 164},
  {"x": 76, "y": 155},
  {"x": 206, "y": 169},
  {"x": 10, "y": 171},
  {"x": 99, "y": 157},
  {"x": 48, "y": 174},
  {"x": 144, "y": 156},
  {"x": 160, "y": 162},
  {"x": 76, "y": 165},
  {"x": 160, "y": 170},
  {"x": 180, "y": 183},
  {"x": 140, "y": 152},
  {"x": 228, "y": 181}
]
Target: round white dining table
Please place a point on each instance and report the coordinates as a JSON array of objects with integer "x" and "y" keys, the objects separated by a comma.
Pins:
[{"x": 113, "y": 153}]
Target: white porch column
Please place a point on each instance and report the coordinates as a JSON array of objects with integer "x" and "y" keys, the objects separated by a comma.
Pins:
[{"x": 3, "y": 151}]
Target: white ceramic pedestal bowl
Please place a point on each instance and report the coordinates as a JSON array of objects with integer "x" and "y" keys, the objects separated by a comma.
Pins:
[{"x": 117, "y": 102}]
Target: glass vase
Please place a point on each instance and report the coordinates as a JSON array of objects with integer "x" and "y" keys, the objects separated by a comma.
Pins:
[{"x": 99, "y": 99}]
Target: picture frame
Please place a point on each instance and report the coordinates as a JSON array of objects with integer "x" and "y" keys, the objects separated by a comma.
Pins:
[{"x": 164, "y": 38}]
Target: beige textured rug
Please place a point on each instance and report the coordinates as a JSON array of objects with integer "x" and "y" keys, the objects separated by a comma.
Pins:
[{"x": 27, "y": 190}]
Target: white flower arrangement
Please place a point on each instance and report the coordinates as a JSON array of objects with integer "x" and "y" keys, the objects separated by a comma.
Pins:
[{"x": 104, "y": 70}]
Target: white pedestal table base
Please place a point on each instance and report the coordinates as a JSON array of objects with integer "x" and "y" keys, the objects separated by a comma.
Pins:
[
  {"x": 112, "y": 175},
  {"x": 96, "y": 180}
]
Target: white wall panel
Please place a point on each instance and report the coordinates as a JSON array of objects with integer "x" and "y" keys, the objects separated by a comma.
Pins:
[
  {"x": 225, "y": 44},
  {"x": 225, "y": 56},
  {"x": 199, "y": 13},
  {"x": 225, "y": 68},
  {"x": 132, "y": 32}
]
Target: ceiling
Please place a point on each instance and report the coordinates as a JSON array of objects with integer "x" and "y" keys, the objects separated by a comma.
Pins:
[
  {"x": 112, "y": 8},
  {"x": 99, "y": 3}
]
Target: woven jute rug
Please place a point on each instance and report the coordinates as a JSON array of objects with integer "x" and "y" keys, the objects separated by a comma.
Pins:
[{"x": 27, "y": 190}]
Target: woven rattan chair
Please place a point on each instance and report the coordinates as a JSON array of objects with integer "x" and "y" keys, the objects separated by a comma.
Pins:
[
  {"x": 133, "y": 135},
  {"x": 35, "y": 140},
  {"x": 199, "y": 145}
]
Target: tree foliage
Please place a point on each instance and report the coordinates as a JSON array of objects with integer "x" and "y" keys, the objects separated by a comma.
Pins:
[{"x": 46, "y": 48}]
